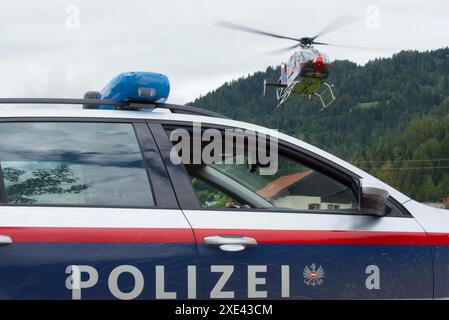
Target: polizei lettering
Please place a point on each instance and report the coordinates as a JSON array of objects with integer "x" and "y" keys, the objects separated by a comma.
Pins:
[{"x": 83, "y": 279}]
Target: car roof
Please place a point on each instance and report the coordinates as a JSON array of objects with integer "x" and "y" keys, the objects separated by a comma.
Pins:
[{"x": 158, "y": 114}]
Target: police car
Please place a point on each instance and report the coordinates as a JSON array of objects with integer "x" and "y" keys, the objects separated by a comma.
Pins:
[{"x": 133, "y": 198}]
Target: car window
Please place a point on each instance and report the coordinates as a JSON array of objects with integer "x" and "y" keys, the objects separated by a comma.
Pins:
[
  {"x": 73, "y": 163},
  {"x": 211, "y": 197},
  {"x": 292, "y": 185}
]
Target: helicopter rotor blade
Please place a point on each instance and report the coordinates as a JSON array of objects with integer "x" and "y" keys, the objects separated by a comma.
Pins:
[
  {"x": 350, "y": 47},
  {"x": 338, "y": 23},
  {"x": 283, "y": 50},
  {"x": 321, "y": 43},
  {"x": 231, "y": 25}
]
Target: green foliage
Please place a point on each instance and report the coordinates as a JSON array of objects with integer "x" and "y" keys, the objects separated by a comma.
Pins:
[
  {"x": 60, "y": 180},
  {"x": 389, "y": 110},
  {"x": 210, "y": 197},
  {"x": 416, "y": 161}
]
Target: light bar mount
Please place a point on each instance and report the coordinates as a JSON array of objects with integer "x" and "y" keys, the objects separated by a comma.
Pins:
[{"x": 121, "y": 105}]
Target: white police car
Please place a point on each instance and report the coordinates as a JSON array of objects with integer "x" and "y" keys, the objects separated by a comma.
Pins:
[{"x": 157, "y": 201}]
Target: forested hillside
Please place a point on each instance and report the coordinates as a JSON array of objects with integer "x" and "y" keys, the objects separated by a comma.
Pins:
[
  {"x": 390, "y": 117},
  {"x": 415, "y": 161}
]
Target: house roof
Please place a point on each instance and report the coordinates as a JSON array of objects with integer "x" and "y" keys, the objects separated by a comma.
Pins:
[{"x": 281, "y": 183}]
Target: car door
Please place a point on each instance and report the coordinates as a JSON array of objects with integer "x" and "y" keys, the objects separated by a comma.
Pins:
[
  {"x": 296, "y": 232},
  {"x": 87, "y": 212}
]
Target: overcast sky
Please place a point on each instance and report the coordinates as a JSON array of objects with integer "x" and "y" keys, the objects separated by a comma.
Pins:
[{"x": 64, "y": 48}]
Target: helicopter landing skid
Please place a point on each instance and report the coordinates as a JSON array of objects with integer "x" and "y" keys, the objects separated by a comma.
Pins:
[
  {"x": 327, "y": 92},
  {"x": 286, "y": 94},
  {"x": 326, "y": 96}
]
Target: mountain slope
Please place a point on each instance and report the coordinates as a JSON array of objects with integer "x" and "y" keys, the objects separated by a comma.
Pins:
[
  {"x": 403, "y": 87},
  {"x": 375, "y": 103},
  {"x": 416, "y": 161}
]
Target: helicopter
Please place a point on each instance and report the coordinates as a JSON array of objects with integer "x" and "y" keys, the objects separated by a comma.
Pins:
[{"x": 307, "y": 69}]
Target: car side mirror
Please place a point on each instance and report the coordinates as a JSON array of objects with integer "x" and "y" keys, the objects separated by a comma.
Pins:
[{"x": 373, "y": 199}]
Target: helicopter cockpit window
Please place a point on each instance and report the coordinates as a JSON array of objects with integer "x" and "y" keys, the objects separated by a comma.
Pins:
[{"x": 307, "y": 55}]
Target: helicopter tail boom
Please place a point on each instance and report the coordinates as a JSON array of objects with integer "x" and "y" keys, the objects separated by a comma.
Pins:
[{"x": 272, "y": 84}]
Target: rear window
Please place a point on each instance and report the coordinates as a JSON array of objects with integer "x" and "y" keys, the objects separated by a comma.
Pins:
[{"x": 72, "y": 163}]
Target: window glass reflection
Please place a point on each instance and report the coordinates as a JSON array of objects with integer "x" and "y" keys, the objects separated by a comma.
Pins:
[{"x": 73, "y": 163}]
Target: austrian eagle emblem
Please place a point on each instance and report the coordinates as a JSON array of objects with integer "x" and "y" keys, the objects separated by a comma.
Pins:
[{"x": 313, "y": 276}]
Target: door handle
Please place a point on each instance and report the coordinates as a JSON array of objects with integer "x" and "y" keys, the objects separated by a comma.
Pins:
[
  {"x": 5, "y": 240},
  {"x": 230, "y": 243}
]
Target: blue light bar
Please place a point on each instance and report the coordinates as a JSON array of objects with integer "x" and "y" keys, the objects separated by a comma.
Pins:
[{"x": 136, "y": 87}]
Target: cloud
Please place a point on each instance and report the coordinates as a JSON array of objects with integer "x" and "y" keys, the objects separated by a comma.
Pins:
[{"x": 43, "y": 55}]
